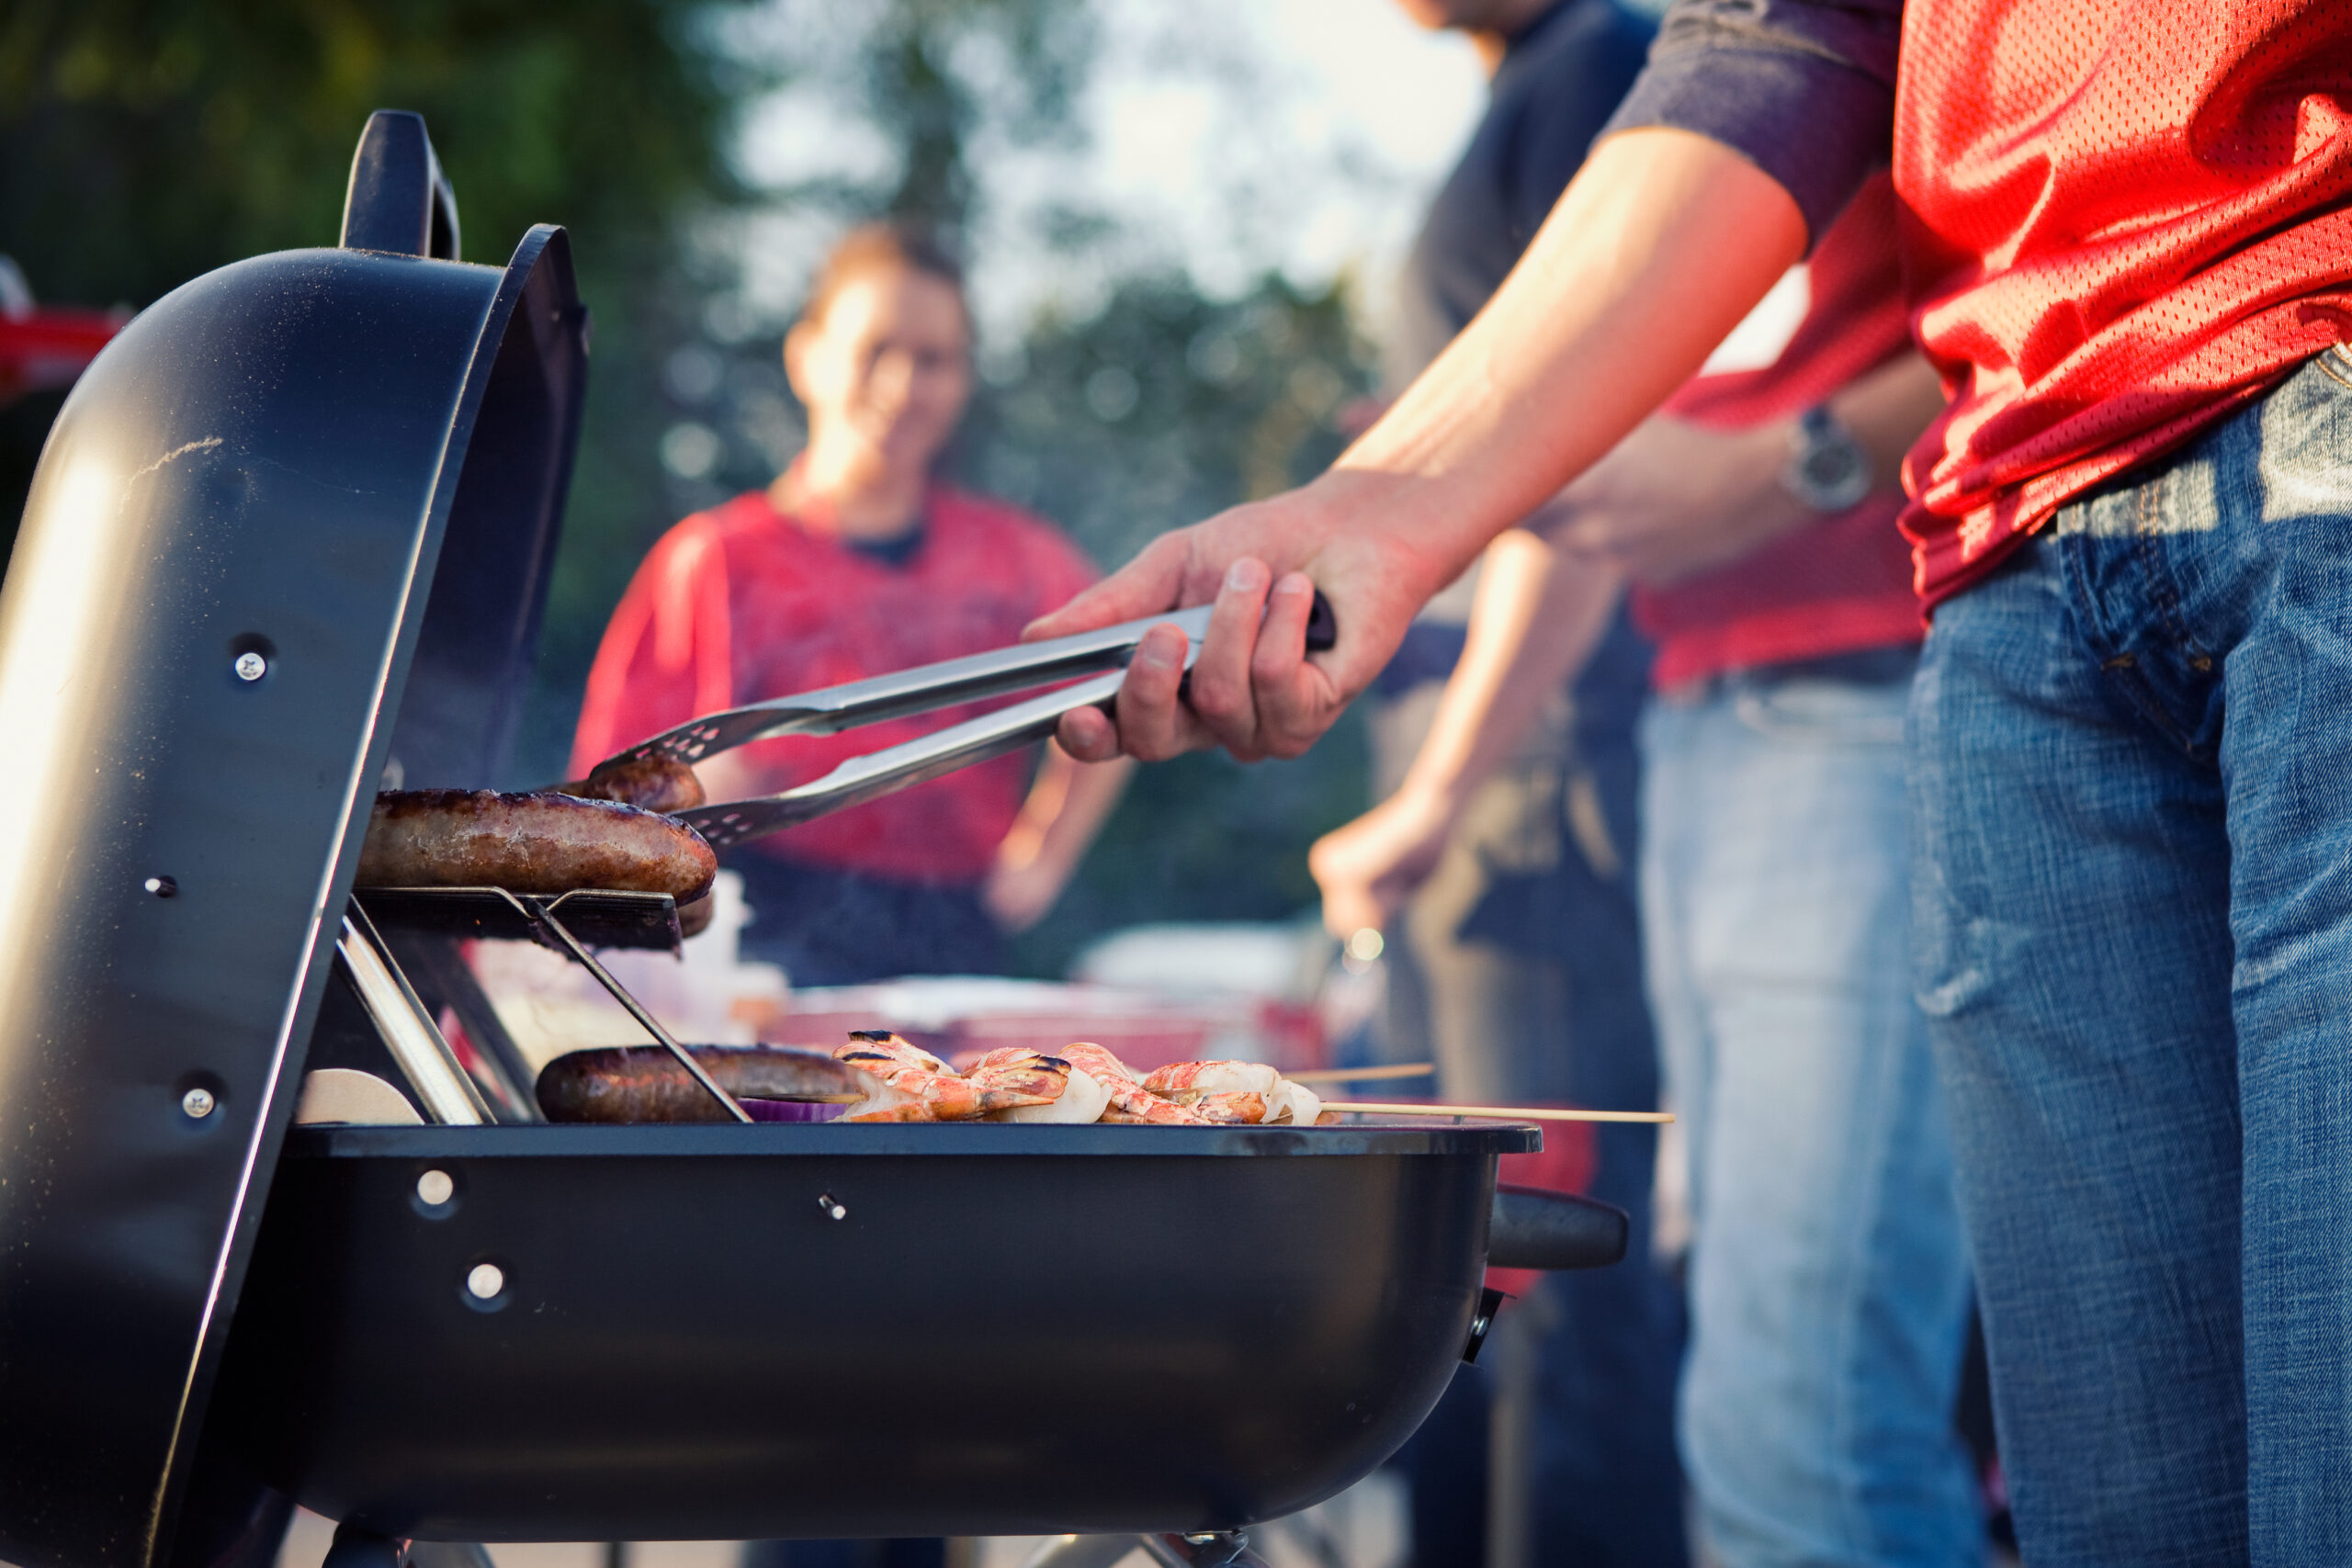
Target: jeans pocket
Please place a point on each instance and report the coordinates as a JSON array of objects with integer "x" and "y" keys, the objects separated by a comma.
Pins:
[
  {"x": 2335, "y": 363},
  {"x": 1813, "y": 712}
]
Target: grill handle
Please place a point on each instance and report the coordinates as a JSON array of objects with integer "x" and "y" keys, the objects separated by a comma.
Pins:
[
  {"x": 399, "y": 201},
  {"x": 1531, "y": 1228}
]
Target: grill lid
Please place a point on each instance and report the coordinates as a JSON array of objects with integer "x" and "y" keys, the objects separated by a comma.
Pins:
[{"x": 218, "y": 603}]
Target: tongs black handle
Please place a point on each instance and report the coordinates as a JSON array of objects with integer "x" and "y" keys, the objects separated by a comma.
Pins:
[{"x": 921, "y": 690}]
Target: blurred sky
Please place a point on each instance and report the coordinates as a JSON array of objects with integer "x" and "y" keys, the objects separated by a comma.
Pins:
[{"x": 1227, "y": 137}]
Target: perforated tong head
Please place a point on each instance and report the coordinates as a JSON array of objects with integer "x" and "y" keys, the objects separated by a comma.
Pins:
[{"x": 1102, "y": 654}]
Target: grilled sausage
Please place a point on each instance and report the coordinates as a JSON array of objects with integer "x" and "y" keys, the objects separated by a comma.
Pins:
[
  {"x": 530, "y": 843},
  {"x": 657, "y": 783},
  {"x": 646, "y": 1084}
]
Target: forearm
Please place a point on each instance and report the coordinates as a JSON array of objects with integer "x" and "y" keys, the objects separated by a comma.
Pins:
[
  {"x": 1658, "y": 247},
  {"x": 1886, "y": 410},
  {"x": 1675, "y": 498},
  {"x": 1065, "y": 808},
  {"x": 1537, "y": 618}
]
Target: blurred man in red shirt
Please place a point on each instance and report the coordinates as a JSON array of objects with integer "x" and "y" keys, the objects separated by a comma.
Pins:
[{"x": 856, "y": 562}]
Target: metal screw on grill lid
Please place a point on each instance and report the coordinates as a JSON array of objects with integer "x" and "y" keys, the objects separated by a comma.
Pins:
[
  {"x": 251, "y": 666},
  {"x": 197, "y": 1103},
  {"x": 434, "y": 1189},
  {"x": 485, "y": 1280},
  {"x": 832, "y": 1206},
  {"x": 161, "y": 886}
]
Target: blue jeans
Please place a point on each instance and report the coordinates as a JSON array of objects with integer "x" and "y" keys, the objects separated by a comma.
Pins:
[
  {"x": 1520, "y": 967},
  {"x": 2132, "y": 788},
  {"x": 1829, "y": 1291}
]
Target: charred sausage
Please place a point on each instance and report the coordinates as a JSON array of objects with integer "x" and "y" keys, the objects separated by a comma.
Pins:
[
  {"x": 646, "y": 1084},
  {"x": 657, "y": 783},
  {"x": 530, "y": 843}
]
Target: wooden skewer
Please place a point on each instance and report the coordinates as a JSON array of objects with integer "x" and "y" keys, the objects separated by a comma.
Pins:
[
  {"x": 1344, "y": 1075},
  {"x": 1515, "y": 1113},
  {"x": 1512, "y": 1112}
]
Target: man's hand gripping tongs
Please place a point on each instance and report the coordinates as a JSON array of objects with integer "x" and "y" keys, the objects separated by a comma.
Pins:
[{"x": 1102, "y": 654}]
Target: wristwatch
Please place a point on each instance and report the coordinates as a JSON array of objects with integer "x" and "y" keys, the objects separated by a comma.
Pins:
[{"x": 1828, "y": 469}]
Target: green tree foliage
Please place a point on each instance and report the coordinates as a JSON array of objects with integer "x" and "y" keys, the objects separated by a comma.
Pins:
[{"x": 144, "y": 142}]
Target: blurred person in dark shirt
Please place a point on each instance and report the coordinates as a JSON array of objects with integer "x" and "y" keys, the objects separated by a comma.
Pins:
[
  {"x": 1755, "y": 517},
  {"x": 1516, "y": 965}
]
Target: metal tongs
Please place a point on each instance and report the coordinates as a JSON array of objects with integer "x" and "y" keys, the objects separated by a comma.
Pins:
[{"x": 1103, "y": 654}]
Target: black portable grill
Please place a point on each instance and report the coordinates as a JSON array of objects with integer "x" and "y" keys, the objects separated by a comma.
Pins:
[{"x": 290, "y": 539}]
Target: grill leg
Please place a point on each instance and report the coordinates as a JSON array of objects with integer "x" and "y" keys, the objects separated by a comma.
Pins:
[
  {"x": 1082, "y": 1552},
  {"x": 447, "y": 1554},
  {"x": 355, "y": 1547},
  {"x": 1210, "y": 1549}
]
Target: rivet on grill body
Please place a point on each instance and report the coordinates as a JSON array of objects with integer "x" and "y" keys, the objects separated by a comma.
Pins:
[
  {"x": 161, "y": 886},
  {"x": 832, "y": 1206},
  {"x": 251, "y": 666},
  {"x": 434, "y": 1189},
  {"x": 484, "y": 1281},
  {"x": 197, "y": 1103}
]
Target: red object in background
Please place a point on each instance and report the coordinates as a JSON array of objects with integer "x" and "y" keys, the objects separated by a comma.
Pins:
[
  {"x": 41, "y": 350},
  {"x": 1143, "y": 1029},
  {"x": 744, "y": 602},
  {"x": 1567, "y": 1163},
  {"x": 1844, "y": 584}
]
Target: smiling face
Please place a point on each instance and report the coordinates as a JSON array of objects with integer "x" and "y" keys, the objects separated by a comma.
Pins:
[{"x": 885, "y": 371}]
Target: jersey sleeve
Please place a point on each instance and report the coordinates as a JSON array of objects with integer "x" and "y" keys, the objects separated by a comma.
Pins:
[
  {"x": 667, "y": 654},
  {"x": 1804, "y": 89}
]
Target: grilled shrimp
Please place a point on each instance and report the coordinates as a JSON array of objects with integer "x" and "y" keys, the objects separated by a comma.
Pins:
[
  {"x": 1082, "y": 1098},
  {"x": 1222, "y": 1091},
  {"x": 1018, "y": 1071},
  {"x": 1299, "y": 1106},
  {"x": 1129, "y": 1101},
  {"x": 1187, "y": 1082},
  {"x": 912, "y": 1084},
  {"x": 1245, "y": 1106}
]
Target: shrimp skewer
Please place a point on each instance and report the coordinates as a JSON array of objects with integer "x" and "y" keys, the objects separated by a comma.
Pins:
[
  {"x": 1129, "y": 1101},
  {"x": 1187, "y": 1083},
  {"x": 1224, "y": 1091},
  {"x": 912, "y": 1084},
  {"x": 1083, "y": 1098},
  {"x": 1017, "y": 1069}
]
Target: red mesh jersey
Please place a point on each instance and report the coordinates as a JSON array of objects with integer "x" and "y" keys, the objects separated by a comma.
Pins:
[
  {"x": 1843, "y": 584},
  {"x": 2123, "y": 219},
  {"x": 741, "y": 604}
]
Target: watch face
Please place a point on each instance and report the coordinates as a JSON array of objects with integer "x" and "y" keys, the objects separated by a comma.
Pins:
[
  {"x": 1828, "y": 471},
  {"x": 1831, "y": 467}
]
